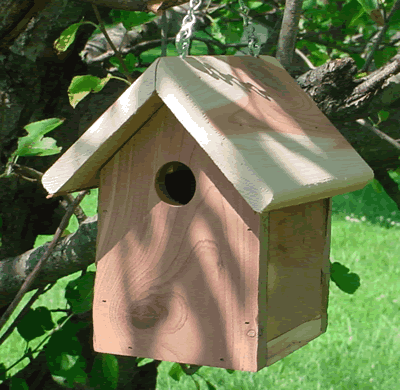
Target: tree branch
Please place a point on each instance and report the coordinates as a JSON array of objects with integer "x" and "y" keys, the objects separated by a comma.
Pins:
[
  {"x": 72, "y": 253},
  {"x": 110, "y": 42},
  {"x": 379, "y": 133},
  {"x": 21, "y": 315},
  {"x": 126, "y": 5},
  {"x": 381, "y": 35},
  {"x": 342, "y": 97},
  {"x": 377, "y": 78},
  {"x": 29, "y": 281},
  {"x": 288, "y": 33},
  {"x": 154, "y": 6},
  {"x": 304, "y": 57},
  {"x": 29, "y": 173}
]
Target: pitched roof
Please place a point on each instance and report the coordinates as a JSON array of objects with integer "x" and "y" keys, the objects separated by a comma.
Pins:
[{"x": 265, "y": 134}]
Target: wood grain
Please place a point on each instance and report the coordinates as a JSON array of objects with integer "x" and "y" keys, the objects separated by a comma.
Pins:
[
  {"x": 263, "y": 132},
  {"x": 208, "y": 283}
]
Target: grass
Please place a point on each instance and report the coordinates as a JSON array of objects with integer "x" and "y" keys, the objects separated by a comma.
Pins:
[{"x": 361, "y": 348}]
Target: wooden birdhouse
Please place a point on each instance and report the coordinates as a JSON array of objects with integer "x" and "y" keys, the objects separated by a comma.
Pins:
[{"x": 216, "y": 175}]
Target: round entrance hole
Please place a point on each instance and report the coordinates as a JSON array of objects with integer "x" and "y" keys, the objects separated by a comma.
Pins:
[{"x": 175, "y": 183}]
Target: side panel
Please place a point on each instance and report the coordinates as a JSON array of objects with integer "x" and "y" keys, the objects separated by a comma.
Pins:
[
  {"x": 298, "y": 276},
  {"x": 175, "y": 283}
]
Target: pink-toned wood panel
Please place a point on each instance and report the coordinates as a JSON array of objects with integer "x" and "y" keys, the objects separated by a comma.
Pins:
[
  {"x": 174, "y": 283},
  {"x": 297, "y": 242}
]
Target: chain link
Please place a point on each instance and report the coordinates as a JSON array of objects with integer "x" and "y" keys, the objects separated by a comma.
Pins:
[
  {"x": 248, "y": 29},
  {"x": 182, "y": 40}
]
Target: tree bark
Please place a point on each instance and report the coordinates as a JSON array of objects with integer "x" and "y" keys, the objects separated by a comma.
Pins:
[{"x": 73, "y": 253}]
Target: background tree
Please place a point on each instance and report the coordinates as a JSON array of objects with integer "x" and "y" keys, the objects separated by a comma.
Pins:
[{"x": 343, "y": 53}]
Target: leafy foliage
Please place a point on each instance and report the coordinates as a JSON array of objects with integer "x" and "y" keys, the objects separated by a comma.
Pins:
[
  {"x": 64, "y": 356},
  {"x": 176, "y": 372},
  {"x": 81, "y": 86},
  {"x": 67, "y": 37},
  {"x": 179, "y": 371},
  {"x": 34, "y": 144},
  {"x": 143, "y": 361},
  {"x": 371, "y": 7},
  {"x": 130, "y": 62},
  {"x": 105, "y": 372},
  {"x": 131, "y": 18},
  {"x": 35, "y": 323},
  {"x": 18, "y": 384},
  {"x": 79, "y": 293}
]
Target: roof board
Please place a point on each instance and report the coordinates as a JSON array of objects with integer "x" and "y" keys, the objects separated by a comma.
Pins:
[{"x": 265, "y": 134}]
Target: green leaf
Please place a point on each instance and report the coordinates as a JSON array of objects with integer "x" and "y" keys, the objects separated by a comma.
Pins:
[
  {"x": 381, "y": 57},
  {"x": 67, "y": 37},
  {"x": 143, "y": 361},
  {"x": 18, "y": 384},
  {"x": 347, "y": 13},
  {"x": 395, "y": 173},
  {"x": 131, "y": 18},
  {"x": 79, "y": 293},
  {"x": 73, "y": 372},
  {"x": 42, "y": 239},
  {"x": 176, "y": 372},
  {"x": 34, "y": 144},
  {"x": 81, "y": 86},
  {"x": 383, "y": 115},
  {"x": 347, "y": 282},
  {"x": 35, "y": 323},
  {"x": 3, "y": 372},
  {"x": 216, "y": 31},
  {"x": 259, "y": 6},
  {"x": 111, "y": 369},
  {"x": 395, "y": 20},
  {"x": 361, "y": 75},
  {"x": 358, "y": 59},
  {"x": 354, "y": 21},
  {"x": 369, "y": 5},
  {"x": 105, "y": 372},
  {"x": 64, "y": 355},
  {"x": 130, "y": 61},
  {"x": 309, "y": 4},
  {"x": 46, "y": 147},
  {"x": 377, "y": 186},
  {"x": 254, "y": 4}
]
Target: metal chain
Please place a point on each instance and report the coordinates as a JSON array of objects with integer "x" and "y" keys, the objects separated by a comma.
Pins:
[
  {"x": 182, "y": 40},
  {"x": 183, "y": 37},
  {"x": 248, "y": 29}
]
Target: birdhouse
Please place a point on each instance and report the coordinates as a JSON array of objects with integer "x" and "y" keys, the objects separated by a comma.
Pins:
[{"x": 215, "y": 177}]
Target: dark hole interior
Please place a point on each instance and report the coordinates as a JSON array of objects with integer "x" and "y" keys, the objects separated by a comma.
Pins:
[{"x": 175, "y": 183}]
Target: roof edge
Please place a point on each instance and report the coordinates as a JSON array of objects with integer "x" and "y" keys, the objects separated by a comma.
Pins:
[{"x": 78, "y": 167}]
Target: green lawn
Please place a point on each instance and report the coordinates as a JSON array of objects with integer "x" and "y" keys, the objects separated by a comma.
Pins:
[{"x": 361, "y": 348}]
